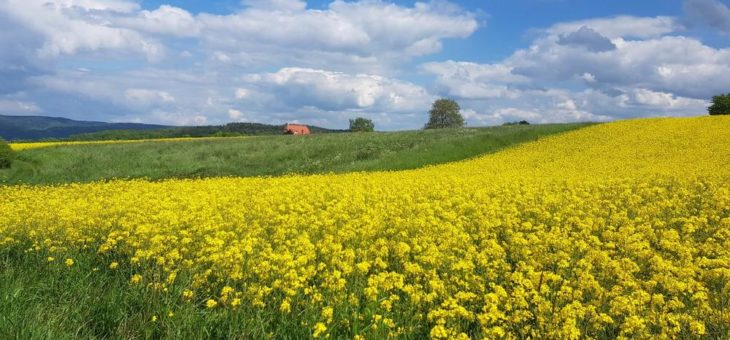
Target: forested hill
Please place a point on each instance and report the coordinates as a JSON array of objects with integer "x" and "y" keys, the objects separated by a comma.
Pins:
[
  {"x": 40, "y": 127},
  {"x": 15, "y": 128}
]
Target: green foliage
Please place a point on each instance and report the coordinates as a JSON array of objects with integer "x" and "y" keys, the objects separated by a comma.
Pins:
[
  {"x": 266, "y": 155},
  {"x": 720, "y": 105},
  {"x": 361, "y": 125},
  {"x": 6, "y": 155},
  {"x": 228, "y": 130},
  {"x": 522, "y": 122},
  {"x": 445, "y": 114}
]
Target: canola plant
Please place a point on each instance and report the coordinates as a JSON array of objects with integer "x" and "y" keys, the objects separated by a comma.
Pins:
[{"x": 615, "y": 230}]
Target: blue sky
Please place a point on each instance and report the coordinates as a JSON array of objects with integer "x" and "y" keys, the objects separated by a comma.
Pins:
[{"x": 324, "y": 62}]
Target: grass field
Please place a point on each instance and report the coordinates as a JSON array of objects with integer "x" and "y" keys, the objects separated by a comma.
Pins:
[
  {"x": 261, "y": 155},
  {"x": 617, "y": 230}
]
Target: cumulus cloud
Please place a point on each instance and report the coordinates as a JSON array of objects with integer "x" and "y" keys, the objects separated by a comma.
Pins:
[
  {"x": 146, "y": 97},
  {"x": 622, "y": 26},
  {"x": 69, "y": 27},
  {"x": 592, "y": 76},
  {"x": 474, "y": 81},
  {"x": 710, "y": 13},
  {"x": 18, "y": 107},
  {"x": 349, "y": 32},
  {"x": 587, "y": 38},
  {"x": 336, "y": 91}
]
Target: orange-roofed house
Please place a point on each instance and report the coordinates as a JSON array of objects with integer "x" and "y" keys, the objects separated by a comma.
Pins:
[{"x": 296, "y": 129}]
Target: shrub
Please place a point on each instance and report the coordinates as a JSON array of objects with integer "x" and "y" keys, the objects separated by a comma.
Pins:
[
  {"x": 522, "y": 122},
  {"x": 6, "y": 154},
  {"x": 362, "y": 125},
  {"x": 445, "y": 114},
  {"x": 720, "y": 105}
]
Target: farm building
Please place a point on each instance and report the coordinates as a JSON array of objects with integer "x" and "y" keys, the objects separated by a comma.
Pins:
[{"x": 296, "y": 129}]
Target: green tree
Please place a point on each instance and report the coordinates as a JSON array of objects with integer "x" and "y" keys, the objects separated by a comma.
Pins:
[
  {"x": 720, "y": 105},
  {"x": 445, "y": 114},
  {"x": 361, "y": 125},
  {"x": 6, "y": 154}
]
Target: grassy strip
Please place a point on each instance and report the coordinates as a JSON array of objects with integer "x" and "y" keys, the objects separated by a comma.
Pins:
[
  {"x": 42, "y": 299},
  {"x": 267, "y": 155}
]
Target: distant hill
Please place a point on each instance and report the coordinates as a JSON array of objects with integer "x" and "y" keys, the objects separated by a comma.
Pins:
[
  {"x": 228, "y": 130},
  {"x": 44, "y": 128},
  {"x": 39, "y": 127}
]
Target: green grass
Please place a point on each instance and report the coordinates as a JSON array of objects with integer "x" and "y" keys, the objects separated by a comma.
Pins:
[
  {"x": 48, "y": 300},
  {"x": 267, "y": 155}
]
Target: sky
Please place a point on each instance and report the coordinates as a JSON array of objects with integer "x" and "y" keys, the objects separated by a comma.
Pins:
[{"x": 324, "y": 62}]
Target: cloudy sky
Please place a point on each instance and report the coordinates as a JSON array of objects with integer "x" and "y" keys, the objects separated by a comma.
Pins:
[{"x": 323, "y": 62}]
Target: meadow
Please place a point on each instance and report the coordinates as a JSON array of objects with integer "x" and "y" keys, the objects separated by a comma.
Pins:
[
  {"x": 617, "y": 230},
  {"x": 85, "y": 161}
]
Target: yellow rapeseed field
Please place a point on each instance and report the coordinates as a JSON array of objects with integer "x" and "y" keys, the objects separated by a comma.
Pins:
[
  {"x": 38, "y": 145},
  {"x": 615, "y": 230}
]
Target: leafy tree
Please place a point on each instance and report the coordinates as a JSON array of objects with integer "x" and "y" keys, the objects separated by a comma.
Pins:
[
  {"x": 445, "y": 114},
  {"x": 6, "y": 154},
  {"x": 361, "y": 125},
  {"x": 720, "y": 105}
]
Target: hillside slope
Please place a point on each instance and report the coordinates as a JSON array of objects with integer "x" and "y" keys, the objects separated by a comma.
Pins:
[
  {"x": 40, "y": 127},
  {"x": 264, "y": 155}
]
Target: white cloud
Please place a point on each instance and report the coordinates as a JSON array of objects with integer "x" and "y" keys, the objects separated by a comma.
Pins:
[
  {"x": 18, "y": 107},
  {"x": 475, "y": 81},
  {"x": 345, "y": 33},
  {"x": 167, "y": 20},
  {"x": 280, "y": 5},
  {"x": 332, "y": 91},
  {"x": 70, "y": 27},
  {"x": 621, "y": 26},
  {"x": 146, "y": 96},
  {"x": 592, "y": 77},
  {"x": 237, "y": 115}
]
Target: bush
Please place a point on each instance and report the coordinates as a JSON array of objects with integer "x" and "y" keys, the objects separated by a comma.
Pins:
[
  {"x": 445, "y": 114},
  {"x": 720, "y": 105},
  {"x": 362, "y": 125},
  {"x": 6, "y": 154},
  {"x": 522, "y": 122}
]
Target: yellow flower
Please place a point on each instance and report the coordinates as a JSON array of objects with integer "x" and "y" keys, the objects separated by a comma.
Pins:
[
  {"x": 154, "y": 318},
  {"x": 50, "y": 259},
  {"x": 136, "y": 279},
  {"x": 69, "y": 262},
  {"x": 319, "y": 329},
  {"x": 285, "y": 307},
  {"x": 113, "y": 265},
  {"x": 327, "y": 314},
  {"x": 211, "y": 303}
]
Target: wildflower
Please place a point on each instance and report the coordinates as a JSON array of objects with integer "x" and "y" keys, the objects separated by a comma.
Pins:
[
  {"x": 211, "y": 303},
  {"x": 113, "y": 265},
  {"x": 69, "y": 262},
  {"x": 136, "y": 279},
  {"x": 285, "y": 307},
  {"x": 319, "y": 329},
  {"x": 50, "y": 259}
]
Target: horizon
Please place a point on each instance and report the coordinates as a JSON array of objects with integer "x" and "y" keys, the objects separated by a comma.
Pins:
[{"x": 186, "y": 63}]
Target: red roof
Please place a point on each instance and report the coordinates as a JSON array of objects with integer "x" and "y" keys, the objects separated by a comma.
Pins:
[{"x": 296, "y": 129}]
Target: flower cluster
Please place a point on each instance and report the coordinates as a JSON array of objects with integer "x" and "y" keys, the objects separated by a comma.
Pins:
[{"x": 616, "y": 230}]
